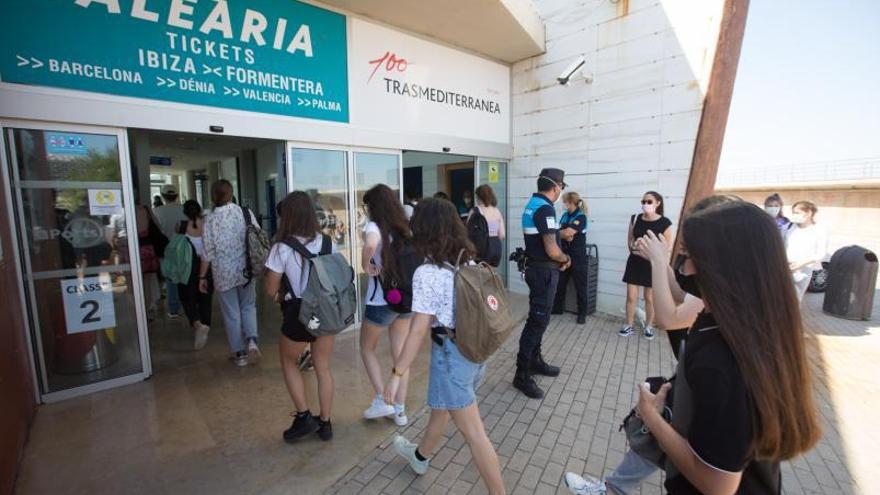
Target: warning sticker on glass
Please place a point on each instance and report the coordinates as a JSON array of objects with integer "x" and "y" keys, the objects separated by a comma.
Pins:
[{"x": 105, "y": 202}]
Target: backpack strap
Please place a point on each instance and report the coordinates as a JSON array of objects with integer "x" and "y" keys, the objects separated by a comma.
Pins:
[
  {"x": 326, "y": 245},
  {"x": 298, "y": 247}
]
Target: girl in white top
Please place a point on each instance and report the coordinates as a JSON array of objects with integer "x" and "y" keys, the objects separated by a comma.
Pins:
[
  {"x": 440, "y": 236},
  {"x": 299, "y": 221},
  {"x": 487, "y": 203},
  {"x": 807, "y": 245},
  {"x": 387, "y": 224}
]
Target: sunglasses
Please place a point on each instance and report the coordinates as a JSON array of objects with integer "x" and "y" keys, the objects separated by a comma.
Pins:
[{"x": 647, "y": 201}]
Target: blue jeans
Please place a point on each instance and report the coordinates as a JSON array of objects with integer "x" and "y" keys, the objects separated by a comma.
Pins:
[
  {"x": 239, "y": 308},
  {"x": 453, "y": 379},
  {"x": 629, "y": 474},
  {"x": 172, "y": 298}
]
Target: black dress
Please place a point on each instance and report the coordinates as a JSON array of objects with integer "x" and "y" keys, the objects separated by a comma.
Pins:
[{"x": 638, "y": 269}]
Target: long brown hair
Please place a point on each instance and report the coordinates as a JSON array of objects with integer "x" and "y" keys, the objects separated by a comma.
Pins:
[
  {"x": 221, "y": 192},
  {"x": 438, "y": 232},
  {"x": 385, "y": 209},
  {"x": 743, "y": 275},
  {"x": 298, "y": 217},
  {"x": 486, "y": 195}
]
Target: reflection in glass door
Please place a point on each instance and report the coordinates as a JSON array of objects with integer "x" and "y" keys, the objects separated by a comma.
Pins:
[
  {"x": 494, "y": 173},
  {"x": 323, "y": 174},
  {"x": 74, "y": 220}
]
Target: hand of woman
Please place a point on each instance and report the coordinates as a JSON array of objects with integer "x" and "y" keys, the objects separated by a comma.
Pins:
[
  {"x": 391, "y": 389},
  {"x": 650, "y": 404},
  {"x": 652, "y": 247},
  {"x": 203, "y": 286}
]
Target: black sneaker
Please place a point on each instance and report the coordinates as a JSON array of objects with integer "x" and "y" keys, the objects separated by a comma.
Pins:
[
  {"x": 303, "y": 424},
  {"x": 581, "y": 320},
  {"x": 325, "y": 429},
  {"x": 539, "y": 367},
  {"x": 524, "y": 382}
]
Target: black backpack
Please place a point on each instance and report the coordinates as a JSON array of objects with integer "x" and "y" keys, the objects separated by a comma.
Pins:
[
  {"x": 398, "y": 291},
  {"x": 478, "y": 233}
]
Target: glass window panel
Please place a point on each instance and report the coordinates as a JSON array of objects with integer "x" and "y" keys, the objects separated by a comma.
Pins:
[{"x": 494, "y": 173}]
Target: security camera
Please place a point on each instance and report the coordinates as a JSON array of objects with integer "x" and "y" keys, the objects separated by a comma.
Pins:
[{"x": 571, "y": 70}]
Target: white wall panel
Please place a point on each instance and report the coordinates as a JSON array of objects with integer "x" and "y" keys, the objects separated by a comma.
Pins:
[{"x": 632, "y": 129}]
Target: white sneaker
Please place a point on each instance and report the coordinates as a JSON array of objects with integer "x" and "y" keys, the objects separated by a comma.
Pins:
[
  {"x": 407, "y": 450},
  {"x": 253, "y": 352},
  {"x": 649, "y": 332},
  {"x": 379, "y": 409},
  {"x": 579, "y": 485},
  {"x": 241, "y": 360},
  {"x": 201, "y": 337},
  {"x": 399, "y": 416}
]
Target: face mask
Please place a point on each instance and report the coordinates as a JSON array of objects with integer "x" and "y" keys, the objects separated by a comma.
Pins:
[
  {"x": 688, "y": 283},
  {"x": 798, "y": 218},
  {"x": 649, "y": 208},
  {"x": 773, "y": 211}
]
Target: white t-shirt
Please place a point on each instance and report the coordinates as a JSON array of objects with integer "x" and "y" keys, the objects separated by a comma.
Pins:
[
  {"x": 169, "y": 217},
  {"x": 434, "y": 294},
  {"x": 805, "y": 244},
  {"x": 283, "y": 259},
  {"x": 375, "y": 296}
]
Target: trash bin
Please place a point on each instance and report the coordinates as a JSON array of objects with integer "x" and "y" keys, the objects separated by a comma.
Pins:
[
  {"x": 852, "y": 277},
  {"x": 592, "y": 283}
]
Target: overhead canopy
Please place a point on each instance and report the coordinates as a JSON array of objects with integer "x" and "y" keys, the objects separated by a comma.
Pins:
[{"x": 506, "y": 30}]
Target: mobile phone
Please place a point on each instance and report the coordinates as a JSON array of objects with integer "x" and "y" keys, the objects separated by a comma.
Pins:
[{"x": 655, "y": 382}]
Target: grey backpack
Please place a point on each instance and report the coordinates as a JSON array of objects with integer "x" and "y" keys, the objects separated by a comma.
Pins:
[
  {"x": 328, "y": 301},
  {"x": 256, "y": 246}
]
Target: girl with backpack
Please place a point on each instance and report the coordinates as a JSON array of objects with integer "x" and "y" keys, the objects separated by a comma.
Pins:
[
  {"x": 386, "y": 234},
  {"x": 486, "y": 226},
  {"x": 196, "y": 304},
  {"x": 742, "y": 396},
  {"x": 440, "y": 236},
  {"x": 286, "y": 276}
]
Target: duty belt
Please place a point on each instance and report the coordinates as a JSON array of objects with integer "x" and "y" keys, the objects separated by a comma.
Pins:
[{"x": 553, "y": 265}]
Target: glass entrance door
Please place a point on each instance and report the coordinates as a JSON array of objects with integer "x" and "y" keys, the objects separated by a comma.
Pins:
[
  {"x": 71, "y": 189},
  {"x": 337, "y": 180},
  {"x": 494, "y": 173}
]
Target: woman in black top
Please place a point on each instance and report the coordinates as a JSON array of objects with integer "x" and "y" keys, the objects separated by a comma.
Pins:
[
  {"x": 638, "y": 269},
  {"x": 743, "y": 393}
]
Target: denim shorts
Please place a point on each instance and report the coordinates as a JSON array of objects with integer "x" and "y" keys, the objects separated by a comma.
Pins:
[
  {"x": 382, "y": 316},
  {"x": 453, "y": 379}
]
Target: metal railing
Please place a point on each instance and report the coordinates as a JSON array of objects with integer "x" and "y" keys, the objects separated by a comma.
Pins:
[{"x": 807, "y": 172}]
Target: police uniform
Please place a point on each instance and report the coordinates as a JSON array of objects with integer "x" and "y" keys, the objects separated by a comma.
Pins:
[
  {"x": 576, "y": 249},
  {"x": 542, "y": 276}
]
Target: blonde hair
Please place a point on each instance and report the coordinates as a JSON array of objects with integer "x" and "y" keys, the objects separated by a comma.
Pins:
[{"x": 574, "y": 198}]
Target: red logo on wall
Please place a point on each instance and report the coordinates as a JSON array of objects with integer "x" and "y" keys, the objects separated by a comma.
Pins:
[{"x": 390, "y": 61}]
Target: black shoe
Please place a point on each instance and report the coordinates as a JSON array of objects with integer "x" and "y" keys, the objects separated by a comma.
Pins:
[
  {"x": 539, "y": 367},
  {"x": 556, "y": 311},
  {"x": 524, "y": 382},
  {"x": 325, "y": 429},
  {"x": 303, "y": 424},
  {"x": 581, "y": 320}
]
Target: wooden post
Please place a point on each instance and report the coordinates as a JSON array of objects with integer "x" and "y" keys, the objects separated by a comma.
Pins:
[{"x": 716, "y": 104}]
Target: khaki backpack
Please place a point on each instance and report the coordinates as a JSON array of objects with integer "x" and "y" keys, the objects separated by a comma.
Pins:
[{"x": 482, "y": 314}]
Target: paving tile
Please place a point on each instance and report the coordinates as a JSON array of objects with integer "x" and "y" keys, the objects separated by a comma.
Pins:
[{"x": 575, "y": 427}]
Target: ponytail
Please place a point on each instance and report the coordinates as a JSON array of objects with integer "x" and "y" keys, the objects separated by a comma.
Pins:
[{"x": 575, "y": 199}]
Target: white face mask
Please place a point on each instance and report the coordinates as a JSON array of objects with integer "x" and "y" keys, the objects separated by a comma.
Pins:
[
  {"x": 773, "y": 211},
  {"x": 649, "y": 209},
  {"x": 798, "y": 218}
]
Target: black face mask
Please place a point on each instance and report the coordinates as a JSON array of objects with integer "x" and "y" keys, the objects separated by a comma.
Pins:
[{"x": 688, "y": 283}]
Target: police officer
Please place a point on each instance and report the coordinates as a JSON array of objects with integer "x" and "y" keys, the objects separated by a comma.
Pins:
[
  {"x": 545, "y": 261},
  {"x": 573, "y": 230}
]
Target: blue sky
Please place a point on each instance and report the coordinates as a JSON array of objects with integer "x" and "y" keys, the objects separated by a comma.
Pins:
[{"x": 808, "y": 84}]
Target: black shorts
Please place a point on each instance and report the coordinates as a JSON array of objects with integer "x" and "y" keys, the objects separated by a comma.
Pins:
[{"x": 291, "y": 327}]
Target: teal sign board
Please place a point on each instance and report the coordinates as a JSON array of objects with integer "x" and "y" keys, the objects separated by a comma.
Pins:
[{"x": 271, "y": 56}]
